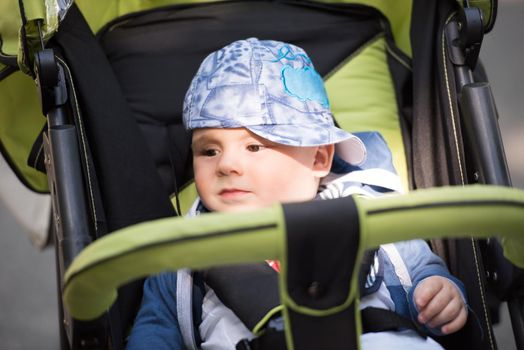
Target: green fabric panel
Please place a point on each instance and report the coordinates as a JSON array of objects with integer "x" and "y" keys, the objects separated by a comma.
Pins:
[
  {"x": 470, "y": 211},
  {"x": 187, "y": 197},
  {"x": 398, "y": 13},
  {"x": 362, "y": 98},
  {"x": 20, "y": 122},
  {"x": 36, "y": 9},
  {"x": 144, "y": 249},
  {"x": 10, "y": 23}
]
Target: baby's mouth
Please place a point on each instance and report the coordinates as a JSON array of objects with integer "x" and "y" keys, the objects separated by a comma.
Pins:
[{"x": 232, "y": 193}]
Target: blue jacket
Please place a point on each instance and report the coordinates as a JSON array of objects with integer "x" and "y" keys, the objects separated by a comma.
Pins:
[
  {"x": 157, "y": 327},
  {"x": 394, "y": 274}
]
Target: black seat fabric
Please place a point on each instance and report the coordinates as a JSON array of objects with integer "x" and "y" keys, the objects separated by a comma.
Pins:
[{"x": 155, "y": 55}]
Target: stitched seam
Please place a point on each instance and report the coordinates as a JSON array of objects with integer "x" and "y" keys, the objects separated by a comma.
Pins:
[
  {"x": 397, "y": 57},
  {"x": 164, "y": 243},
  {"x": 486, "y": 319},
  {"x": 38, "y": 155},
  {"x": 450, "y": 100},
  {"x": 439, "y": 204},
  {"x": 80, "y": 125}
]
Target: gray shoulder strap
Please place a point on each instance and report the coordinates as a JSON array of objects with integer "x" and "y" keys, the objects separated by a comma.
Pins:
[{"x": 184, "y": 303}]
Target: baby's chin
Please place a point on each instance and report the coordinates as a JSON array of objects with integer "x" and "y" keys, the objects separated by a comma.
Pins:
[
  {"x": 248, "y": 205},
  {"x": 236, "y": 206},
  {"x": 240, "y": 208}
]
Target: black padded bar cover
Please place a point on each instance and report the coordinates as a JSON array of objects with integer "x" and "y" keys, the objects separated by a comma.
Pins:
[{"x": 321, "y": 255}]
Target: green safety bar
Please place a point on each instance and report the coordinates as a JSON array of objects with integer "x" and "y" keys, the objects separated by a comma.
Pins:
[{"x": 234, "y": 238}]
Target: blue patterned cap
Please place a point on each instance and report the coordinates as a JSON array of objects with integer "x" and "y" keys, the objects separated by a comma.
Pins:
[{"x": 272, "y": 89}]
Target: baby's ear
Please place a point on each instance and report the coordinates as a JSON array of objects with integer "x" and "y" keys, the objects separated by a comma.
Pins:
[{"x": 323, "y": 160}]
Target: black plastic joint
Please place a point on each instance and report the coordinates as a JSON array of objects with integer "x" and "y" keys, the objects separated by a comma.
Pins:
[
  {"x": 50, "y": 80},
  {"x": 471, "y": 33}
]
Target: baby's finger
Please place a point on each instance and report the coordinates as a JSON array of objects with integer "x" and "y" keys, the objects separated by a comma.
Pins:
[
  {"x": 435, "y": 306},
  {"x": 448, "y": 313},
  {"x": 426, "y": 290},
  {"x": 457, "y": 323}
]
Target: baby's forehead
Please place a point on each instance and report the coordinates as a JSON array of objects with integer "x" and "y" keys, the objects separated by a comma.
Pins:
[{"x": 225, "y": 135}]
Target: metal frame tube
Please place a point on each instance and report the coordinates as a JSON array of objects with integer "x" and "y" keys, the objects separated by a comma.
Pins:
[
  {"x": 481, "y": 127},
  {"x": 69, "y": 189}
]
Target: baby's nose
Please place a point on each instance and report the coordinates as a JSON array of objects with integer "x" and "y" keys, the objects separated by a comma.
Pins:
[{"x": 229, "y": 163}]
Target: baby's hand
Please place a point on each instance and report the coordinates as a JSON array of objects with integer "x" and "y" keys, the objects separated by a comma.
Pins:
[{"x": 440, "y": 304}]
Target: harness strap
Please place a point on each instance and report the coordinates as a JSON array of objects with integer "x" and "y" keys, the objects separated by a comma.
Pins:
[
  {"x": 373, "y": 320},
  {"x": 184, "y": 303},
  {"x": 381, "y": 320},
  {"x": 250, "y": 290}
]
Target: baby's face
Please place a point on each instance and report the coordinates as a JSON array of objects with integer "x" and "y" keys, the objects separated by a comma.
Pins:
[{"x": 236, "y": 170}]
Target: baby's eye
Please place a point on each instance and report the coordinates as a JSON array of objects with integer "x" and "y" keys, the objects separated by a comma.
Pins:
[
  {"x": 255, "y": 148},
  {"x": 210, "y": 152}
]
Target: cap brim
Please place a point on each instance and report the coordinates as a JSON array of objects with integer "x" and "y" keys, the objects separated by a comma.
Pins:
[{"x": 348, "y": 146}]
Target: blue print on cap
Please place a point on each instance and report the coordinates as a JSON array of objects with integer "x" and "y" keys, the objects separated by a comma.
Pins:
[
  {"x": 285, "y": 52},
  {"x": 305, "y": 84}
]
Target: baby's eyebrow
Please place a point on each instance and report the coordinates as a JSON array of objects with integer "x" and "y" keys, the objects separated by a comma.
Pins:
[
  {"x": 201, "y": 139},
  {"x": 196, "y": 144}
]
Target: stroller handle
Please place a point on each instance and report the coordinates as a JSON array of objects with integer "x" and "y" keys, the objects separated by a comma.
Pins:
[{"x": 235, "y": 238}]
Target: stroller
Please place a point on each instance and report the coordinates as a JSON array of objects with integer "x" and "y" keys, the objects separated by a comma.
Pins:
[{"x": 114, "y": 150}]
